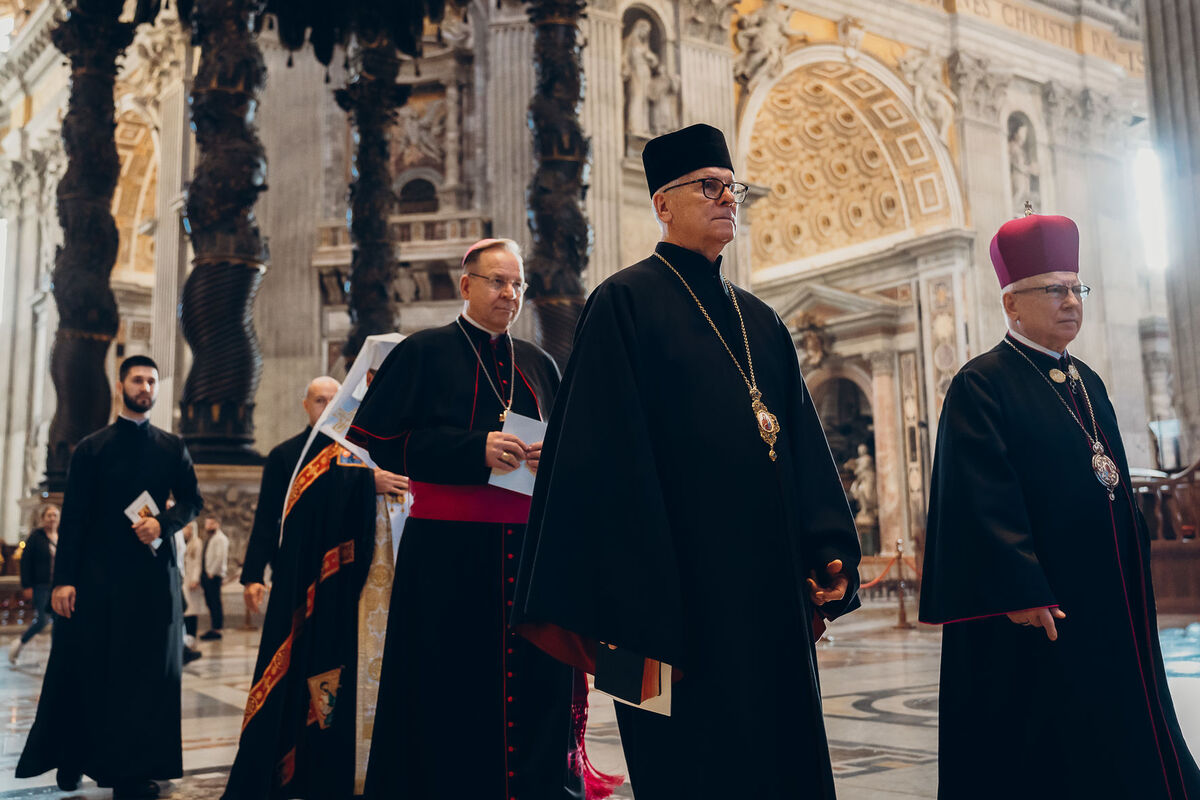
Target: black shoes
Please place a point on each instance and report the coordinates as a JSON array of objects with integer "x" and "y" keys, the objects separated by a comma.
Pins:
[
  {"x": 137, "y": 790},
  {"x": 190, "y": 654},
  {"x": 211, "y": 636},
  {"x": 67, "y": 781}
]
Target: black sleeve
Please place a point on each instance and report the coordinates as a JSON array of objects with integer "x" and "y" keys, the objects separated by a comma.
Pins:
[
  {"x": 977, "y": 515},
  {"x": 77, "y": 504},
  {"x": 27, "y": 558},
  {"x": 393, "y": 425},
  {"x": 827, "y": 525},
  {"x": 188, "y": 502},
  {"x": 264, "y": 536}
]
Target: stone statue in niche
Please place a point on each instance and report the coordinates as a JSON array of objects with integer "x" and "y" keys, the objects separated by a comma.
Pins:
[
  {"x": 812, "y": 342},
  {"x": 420, "y": 134},
  {"x": 650, "y": 91},
  {"x": 932, "y": 98},
  {"x": 1023, "y": 166},
  {"x": 863, "y": 489},
  {"x": 762, "y": 39}
]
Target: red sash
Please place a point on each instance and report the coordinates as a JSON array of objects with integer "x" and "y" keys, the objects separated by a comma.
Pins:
[{"x": 468, "y": 503}]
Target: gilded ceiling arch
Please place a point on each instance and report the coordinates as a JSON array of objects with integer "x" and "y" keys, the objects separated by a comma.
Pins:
[{"x": 848, "y": 165}]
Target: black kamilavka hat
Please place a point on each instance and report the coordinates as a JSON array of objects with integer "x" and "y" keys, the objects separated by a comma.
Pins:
[{"x": 671, "y": 155}]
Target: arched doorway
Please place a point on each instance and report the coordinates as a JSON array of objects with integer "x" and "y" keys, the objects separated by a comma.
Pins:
[{"x": 846, "y": 415}]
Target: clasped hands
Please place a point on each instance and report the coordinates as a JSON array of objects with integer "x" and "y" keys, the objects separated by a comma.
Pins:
[{"x": 505, "y": 452}]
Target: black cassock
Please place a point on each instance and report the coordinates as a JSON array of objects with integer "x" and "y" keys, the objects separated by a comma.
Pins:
[
  {"x": 110, "y": 702},
  {"x": 277, "y": 471},
  {"x": 298, "y": 733},
  {"x": 660, "y": 525},
  {"x": 466, "y": 708},
  {"x": 1018, "y": 520}
]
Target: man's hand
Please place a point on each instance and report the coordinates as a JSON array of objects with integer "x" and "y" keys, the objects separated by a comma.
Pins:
[
  {"x": 533, "y": 456},
  {"x": 62, "y": 600},
  {"x": 389, "y": 482},
  {"x": 504, "y": 451},
  {"x": 253, "y": 594},
  {"x": 1039, "y": 618},
  {"x": 834, "y": 585},
  {"x": 147, "y": 529},
  {"x": 27, "y": 593}
]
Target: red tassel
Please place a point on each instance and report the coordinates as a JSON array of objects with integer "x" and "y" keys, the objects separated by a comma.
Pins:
[{"x": 597, "y": 785}]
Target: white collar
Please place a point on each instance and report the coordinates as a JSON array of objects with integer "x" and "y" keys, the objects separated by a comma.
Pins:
[
  {"x": 128, "y": 418},
  {"x": 1034, "y": 345},
  {"x": 488, "y": 331}
]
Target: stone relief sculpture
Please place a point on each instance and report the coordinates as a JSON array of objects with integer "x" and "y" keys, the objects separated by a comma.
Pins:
[
  {"x": 851, "y": 32},
  {"x": 932, "y": 98},
  {"x": 762, "y": 39},
  {"x": 1022, "y": 165},
  {"x": 650, "y": 91},
  {"x": 863, "y": 488},
  {"x": 420, "y": 134}
]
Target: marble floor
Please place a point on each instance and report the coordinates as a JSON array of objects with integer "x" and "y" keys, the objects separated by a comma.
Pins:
[{"x": 879, "y": 685}]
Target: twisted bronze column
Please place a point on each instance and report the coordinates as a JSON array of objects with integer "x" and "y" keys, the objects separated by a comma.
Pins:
[
  {"x": 92, "y": 37},
  {"x": 561, "y": 234},
  {"x": 371, "y": 97},
  {"x": 216, "y": 313}
]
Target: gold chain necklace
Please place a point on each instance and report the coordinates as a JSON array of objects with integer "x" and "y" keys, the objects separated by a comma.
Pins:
[
  {"x": 1104, "y": 467},
  {"x": 512, "y": 370},
  {"x": 768, "y": 425}
]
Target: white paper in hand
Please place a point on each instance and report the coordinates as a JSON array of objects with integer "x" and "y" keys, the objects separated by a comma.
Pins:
[
  {"x": 529, "y": 431},
  {"x": 143, "y": 506}
]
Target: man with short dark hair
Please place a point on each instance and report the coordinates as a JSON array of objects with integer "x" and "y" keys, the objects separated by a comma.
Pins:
[
  {"x": 1037, "y": 562},
  {"x": 110, "y": 702},
  {"x": 689, "y": 522}
]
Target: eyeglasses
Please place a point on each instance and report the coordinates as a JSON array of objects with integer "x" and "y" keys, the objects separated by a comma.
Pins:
[
  {"x": 497, "y": 285},
  {"x": 1059, "y": 291},
  {"x": 714, "y": 187}
]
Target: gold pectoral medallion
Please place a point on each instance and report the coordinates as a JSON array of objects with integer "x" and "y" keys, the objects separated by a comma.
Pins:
[
  {"x": 1057, "y": 376},
  {"x": 504, "y": 415},
  {"x": 768, "y": 424}
]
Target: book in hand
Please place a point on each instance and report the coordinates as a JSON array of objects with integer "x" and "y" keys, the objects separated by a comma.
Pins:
[
  {"x": 628, "y": 678},
  {"x": 529, "y": 431},
  {"x": 143, "y": 506}
]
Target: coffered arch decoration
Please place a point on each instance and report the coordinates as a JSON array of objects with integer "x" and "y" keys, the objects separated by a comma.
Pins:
[
  {"x": 133, "y": 205},
  {"x": 848, "y": 164}
]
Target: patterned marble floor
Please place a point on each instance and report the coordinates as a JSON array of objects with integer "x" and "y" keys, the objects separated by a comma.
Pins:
[{"x": 879, "y": 683}]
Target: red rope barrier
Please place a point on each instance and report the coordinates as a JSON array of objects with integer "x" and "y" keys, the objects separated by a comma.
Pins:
[{"x": 883, "y": 574}]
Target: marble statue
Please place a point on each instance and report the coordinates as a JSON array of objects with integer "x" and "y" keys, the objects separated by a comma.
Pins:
[
  {"x": 932, "y": 98},
  {"x": 762, "y": 40},
  {"x": 863, "y": 487},
  {"x": 650, "y": 91},
  {"x": 1023, "y": 167}
]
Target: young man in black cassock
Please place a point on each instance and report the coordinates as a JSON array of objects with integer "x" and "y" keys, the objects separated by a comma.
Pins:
[
  {"x": 299, "y": 733},
  {"x": 1037, "y": 563},
  {"x": 466, "y": 708},
  {"x": 688, "y": 511},
  {"x": 110, "y": 701}
]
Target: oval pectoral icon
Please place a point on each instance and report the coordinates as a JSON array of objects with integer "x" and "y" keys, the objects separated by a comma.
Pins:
[{"x": 766, "y": 421}]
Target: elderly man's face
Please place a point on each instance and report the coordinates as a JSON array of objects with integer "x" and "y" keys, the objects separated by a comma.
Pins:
[
  {"x": 1040, "y": 316},
  {"x": 493, "y": 308},
  {"x": 694, "y": 220},
  {"x": 320, "y": 392}
]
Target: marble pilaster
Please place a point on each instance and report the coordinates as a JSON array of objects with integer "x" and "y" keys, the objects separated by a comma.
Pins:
[
  {"x": 509, "y": 148},
  {"x": 170, "y": 250},
  {"x": 1170, "y": 28},
  {"x": 603, "y": 121},
  {"x": 885, "y": 405}
]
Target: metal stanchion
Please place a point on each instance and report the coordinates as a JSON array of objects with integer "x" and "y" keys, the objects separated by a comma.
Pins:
[{"x": 902, "y": 622}]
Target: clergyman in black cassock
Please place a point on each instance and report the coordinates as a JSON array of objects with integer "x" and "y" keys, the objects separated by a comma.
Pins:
[
  {"x": 1037, "y": 563},
  {"x": 681, "y": 524},
  {"x": 110, "y": 701},
  {"x": 466, "y": 708}
]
